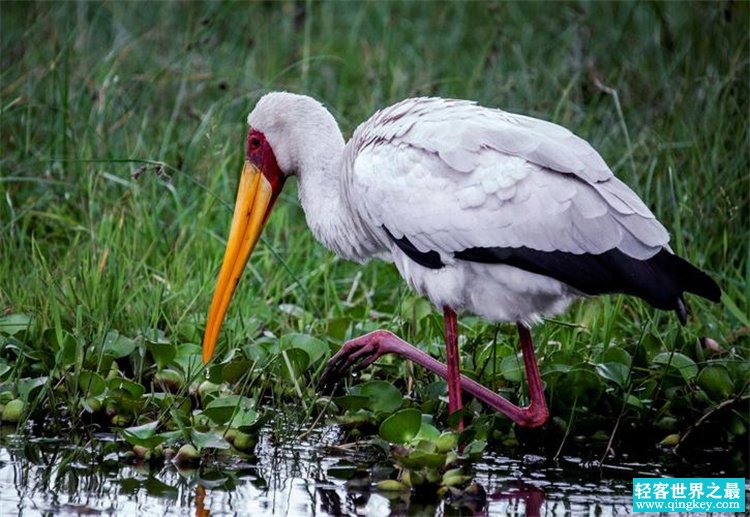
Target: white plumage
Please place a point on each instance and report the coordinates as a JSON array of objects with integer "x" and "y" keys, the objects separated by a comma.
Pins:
[
  {"x": 449, "y": 175},
  {"x": 452, "y": 175},
  {"x": 500, "y": 215}
]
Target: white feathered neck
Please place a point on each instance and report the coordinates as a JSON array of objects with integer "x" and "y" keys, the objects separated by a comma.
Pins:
[{"x": 308, "y": 144}]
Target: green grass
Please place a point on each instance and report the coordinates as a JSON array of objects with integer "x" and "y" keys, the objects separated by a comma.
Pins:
[{"x": 122, "y": 132}]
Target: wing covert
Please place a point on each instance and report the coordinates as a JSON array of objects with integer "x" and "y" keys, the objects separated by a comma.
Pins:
[{"x": 450, "y": 175}]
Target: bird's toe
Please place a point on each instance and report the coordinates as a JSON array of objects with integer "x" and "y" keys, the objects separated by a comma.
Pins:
[
  {"x": 327, "y": 380},
  {"x": 354, "y": 355}
]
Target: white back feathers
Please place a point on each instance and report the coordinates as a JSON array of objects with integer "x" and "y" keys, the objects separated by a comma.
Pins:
[{"x": 502, "y": 215}]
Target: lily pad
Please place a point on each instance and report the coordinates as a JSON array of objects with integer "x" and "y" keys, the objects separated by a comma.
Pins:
[
  {"x": 215, "y": 374},
  {"x": 163, "y": 353},
  {"x": 352, "y": 402},
  {"x": 292, "y": 363},
  {"x": 615, "y": 354},
  {"x": 91, "y": 383},
  {"x": 313, "y": 347},
  {"x": 615, "y": 372},
  {"x": 209, "y": 440},
  {"x": 670, "y": 440},
  {"x": 634, "y": 401},
  {"x": 391, "y": 485},
  {"x": 244, "y": 419},
  {"x": 355, "y": 419},
  {"x": 337, "y": 327},
  {"x": 382, "y": 396},
  {"x": 579, "y": 383},
  {"x": 189, "y": 357},
  {"x": 144, "y": 435},
  {"x": 475, "y": 449},
  {"x": 27, "y": 385},
  {"x": 13, "y": 411},
  {"x": 402, "y": 426},
  {"x": 682, "y": 363},
  {"x": 134, "y": 389},
  {"x": 221, "y": 409},
  {"x": 12, "y": 324},
  {"x": 434, "y": 390},
  {"x": 652, "y": 345},
  {"x": 67, "y": 350},
  {"x": 428, "y": 432},
  {"x": 118, "y": 346},
  {"x": 419, "y": 459},
  {"x": 233, "y": 371},
  {"x": 446, "y": 441},
  {"x": 716, "y": 382}
]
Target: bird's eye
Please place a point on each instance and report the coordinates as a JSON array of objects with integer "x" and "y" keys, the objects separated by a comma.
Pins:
[{"x": 254, "y": 142}]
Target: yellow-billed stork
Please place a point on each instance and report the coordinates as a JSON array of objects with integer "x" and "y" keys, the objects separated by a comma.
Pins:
[{"x": 482, "y": 211}]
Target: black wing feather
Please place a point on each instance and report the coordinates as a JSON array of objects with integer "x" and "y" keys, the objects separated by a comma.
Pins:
[{"x": 660, "y": 280}]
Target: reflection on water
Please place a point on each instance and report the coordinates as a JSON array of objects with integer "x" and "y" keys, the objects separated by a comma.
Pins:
[{"x": 295, "y": 478}]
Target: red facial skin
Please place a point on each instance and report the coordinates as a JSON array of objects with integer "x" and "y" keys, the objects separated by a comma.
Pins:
[
  {"x": 258, "y": 151},
  {"x": 260, "y": 154}
]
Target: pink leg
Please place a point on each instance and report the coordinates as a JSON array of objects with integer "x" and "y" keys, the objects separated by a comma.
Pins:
[
  {"x": 363, "y": 351},
  {"x": 453, "y": 361},
  {"x": 536, "y": 411}
]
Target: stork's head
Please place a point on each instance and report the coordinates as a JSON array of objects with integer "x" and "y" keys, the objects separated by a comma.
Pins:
[{"x": 282, "y": 129}]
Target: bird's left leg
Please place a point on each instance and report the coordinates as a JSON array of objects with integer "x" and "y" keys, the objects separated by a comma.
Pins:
[{"x": 363, "y": 351}]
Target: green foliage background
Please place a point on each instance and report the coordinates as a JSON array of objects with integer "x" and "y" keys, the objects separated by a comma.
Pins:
[{"x": 122, "y": 128}]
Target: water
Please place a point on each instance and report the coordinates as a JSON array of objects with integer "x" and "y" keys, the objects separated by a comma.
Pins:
[{"x": 296, "y": 477}]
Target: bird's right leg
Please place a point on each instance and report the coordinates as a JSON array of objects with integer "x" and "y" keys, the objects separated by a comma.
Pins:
[
  {"x": 363, "y": 351},
  {"x": 452, "y": 361}
]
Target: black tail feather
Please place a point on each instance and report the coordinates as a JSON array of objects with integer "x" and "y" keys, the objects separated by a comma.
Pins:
[
  {"x": 692, "y": 279},
  {"x": 660, "y": 280}
]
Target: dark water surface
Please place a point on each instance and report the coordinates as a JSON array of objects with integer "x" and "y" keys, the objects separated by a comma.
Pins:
[{"x": 297, "y": 477}]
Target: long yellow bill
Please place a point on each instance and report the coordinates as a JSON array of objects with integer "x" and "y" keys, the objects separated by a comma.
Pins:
[{"x": 254, "y": 197}]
